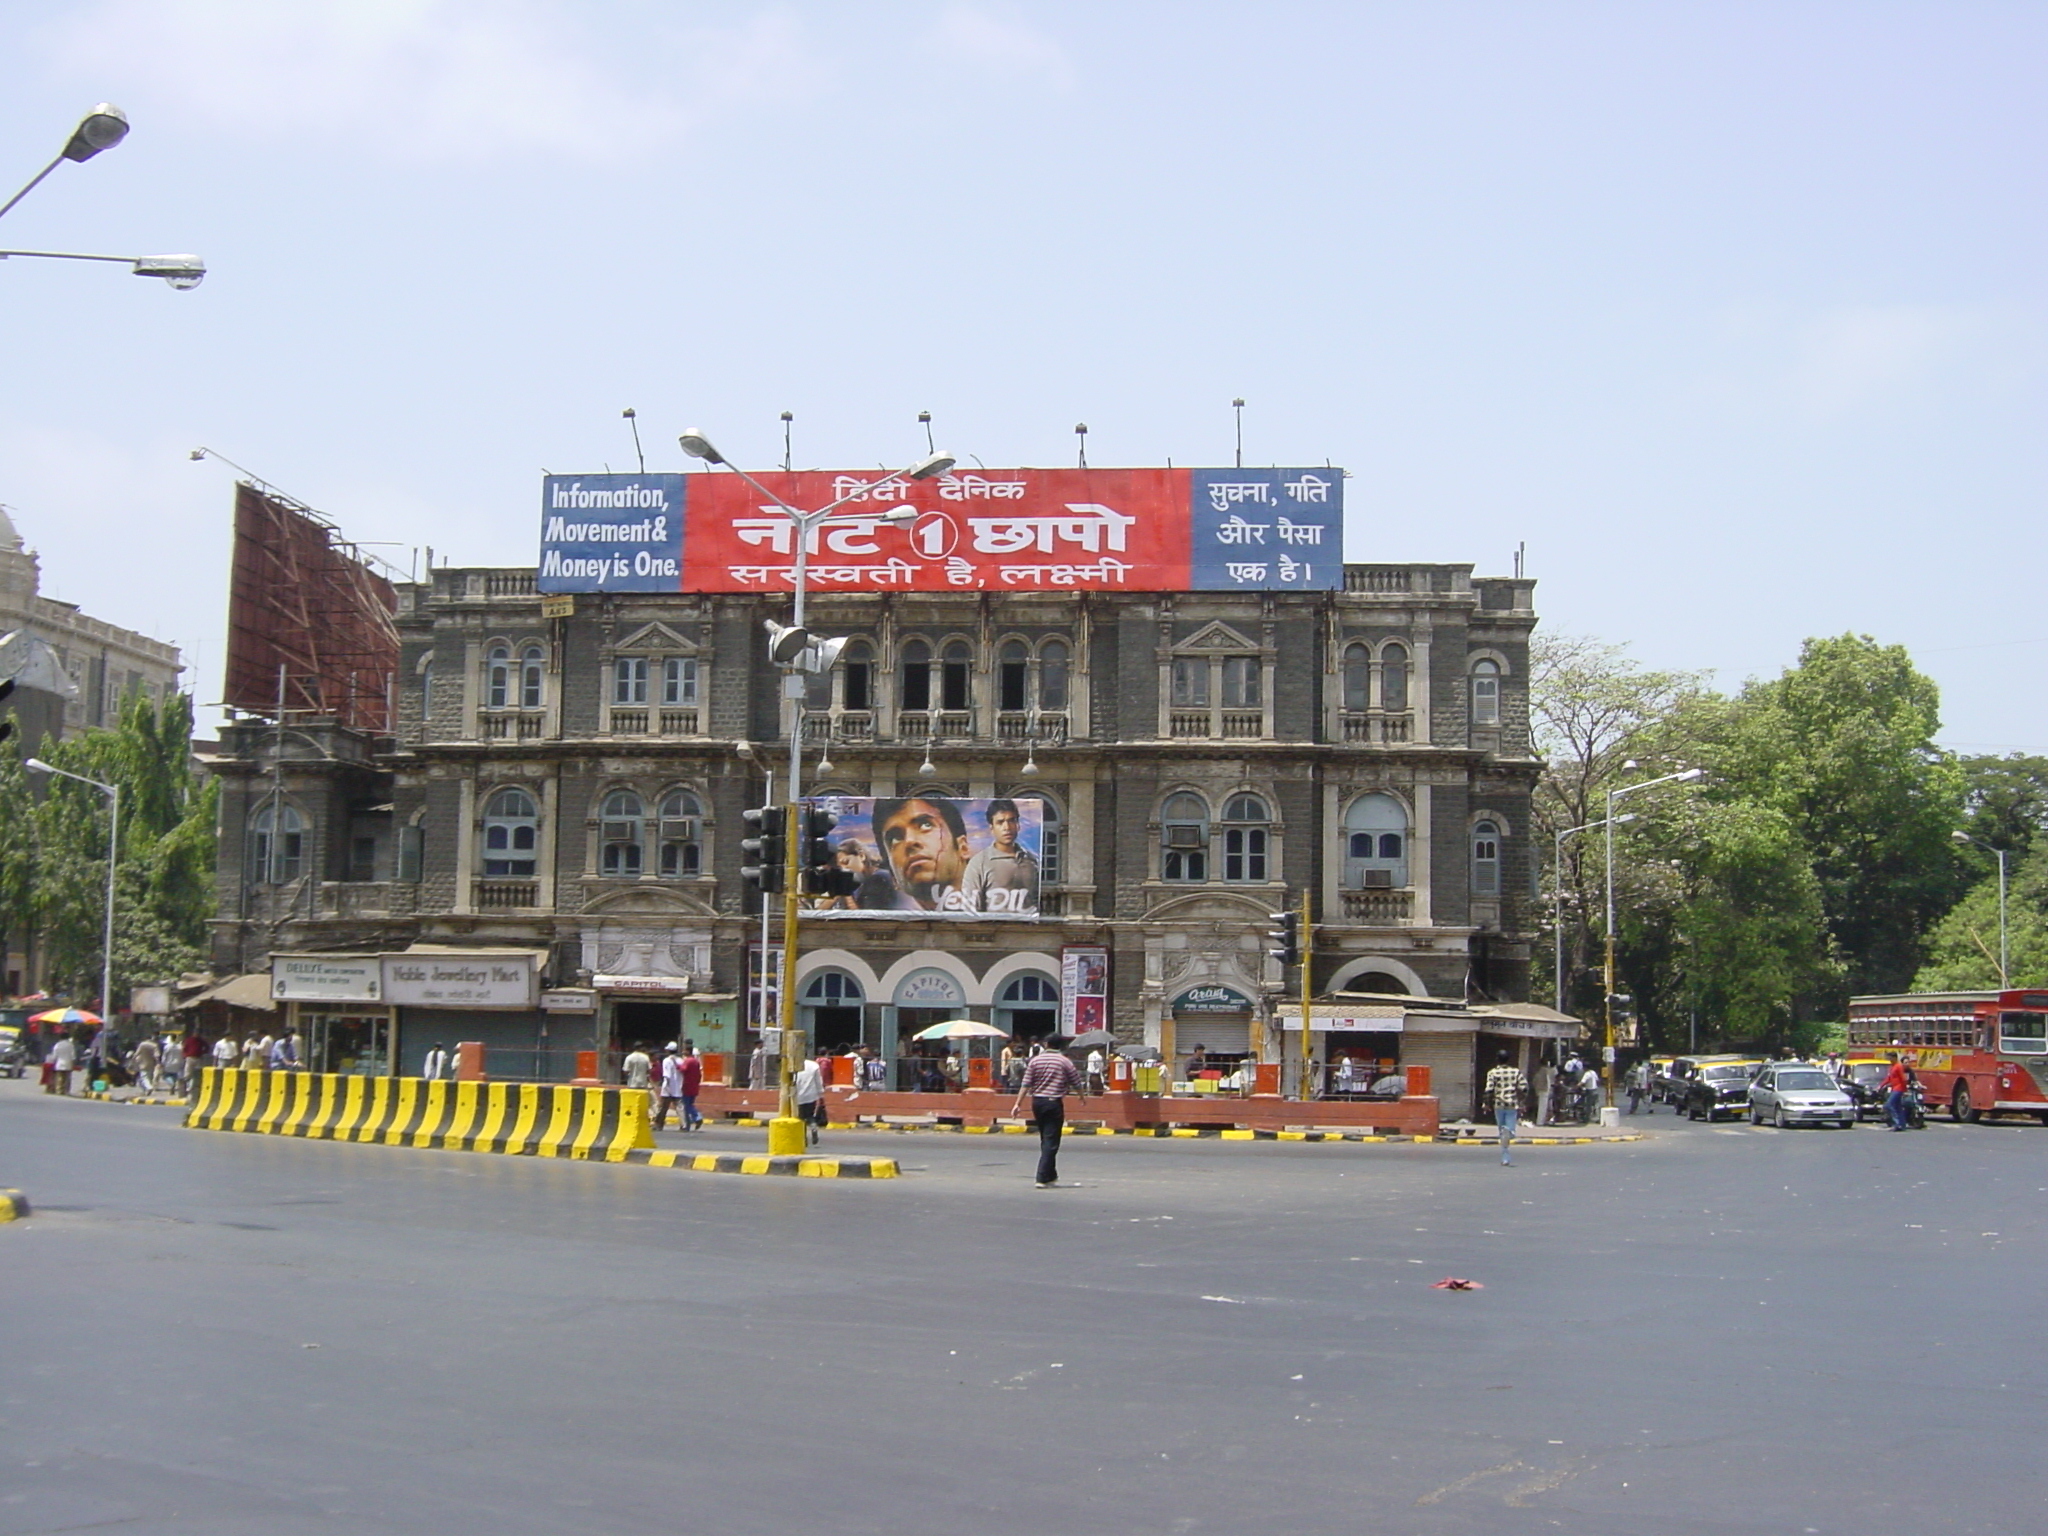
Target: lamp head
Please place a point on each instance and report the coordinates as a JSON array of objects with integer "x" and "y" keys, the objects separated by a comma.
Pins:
[
  {"x": 927, "y": 768},
  {"x": 932, "y": 464},
  {"x": 102, "y": 128},
  {"x": 698, "y": 446},
  {"x": 1030, "y": 768},
  {"x": 826, "y": 766},
  {"x": 745, "y": 749},
  {"x": 1960, "y": 837},
  {"x": 179, "y": 271},
  {"x": 785, "y": 643},
  {"x": 37, "y": 765},
  {"x": 1692, "y": 774}
]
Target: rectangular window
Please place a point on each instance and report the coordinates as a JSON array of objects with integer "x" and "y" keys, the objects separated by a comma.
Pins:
[
  {"x": 860, "y": 687},
  {"x": 629, "y": 680},
  {"x": 917, "y": 685},
  {"x": 679, "y": 680},
  {"x": 1244, "y": 853},
  {"x": 1010, "y": 685},
  {"x": 1191, "y": 682},
  {"x": 1241, "y": 682},
  {"x": 362, "y": 859}
]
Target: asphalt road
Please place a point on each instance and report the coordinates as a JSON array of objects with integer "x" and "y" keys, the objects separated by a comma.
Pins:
[{"x": 1714, "y": 1330}]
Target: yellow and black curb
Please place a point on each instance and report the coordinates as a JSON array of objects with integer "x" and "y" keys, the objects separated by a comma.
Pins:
[
  {"x": 515, "y": 1119},
  {"x": 1223, "y": 1133},
  {"x": 787, "y": 1167},
  {"x": 108, "y": 1098},
  {"x": 13, "y": 1205}
]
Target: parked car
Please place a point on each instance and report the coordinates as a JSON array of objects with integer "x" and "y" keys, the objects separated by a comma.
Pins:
[
  {"x": 1789, "y": 1093},
  {"x": 13, "y": 1055},
  {"x": 1719, "y": 1088}
]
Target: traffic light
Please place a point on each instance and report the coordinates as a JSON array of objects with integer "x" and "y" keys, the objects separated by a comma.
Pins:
[
  {"x": 764, "y": 848},
  {"x": 822, "y": 874},
  {"x": 1286, "y": 937},
  {"x": 7, "y": 725}
]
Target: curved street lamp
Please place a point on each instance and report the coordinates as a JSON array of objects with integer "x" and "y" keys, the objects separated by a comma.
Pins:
[
  {"x": 2004, "y": 976},
  {"x": 102, "y": 128},
  {"x": 113, "y": 794},
  {"x": 179, "y": 271}
]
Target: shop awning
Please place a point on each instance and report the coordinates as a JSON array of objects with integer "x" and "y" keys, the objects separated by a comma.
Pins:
[
  {"x": 1528, "y": 1021},
  {"x": 251, "y": 991},
  {"x": 1374, "y": 1018}
]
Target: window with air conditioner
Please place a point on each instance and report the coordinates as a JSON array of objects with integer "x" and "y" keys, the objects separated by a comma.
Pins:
[
  {"x": 1184, "y": 838},
  {"x": 1375, "y": 843}
]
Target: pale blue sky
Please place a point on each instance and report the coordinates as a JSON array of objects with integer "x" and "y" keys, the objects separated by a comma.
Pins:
[{"x": 1733, "y": 312}]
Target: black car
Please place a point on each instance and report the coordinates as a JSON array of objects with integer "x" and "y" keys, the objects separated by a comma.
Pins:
[
  {"x": 1719, "y": 1088},
  {"x": 1863, "y": 1081},
  {"x": 1673, "y": 1085}
]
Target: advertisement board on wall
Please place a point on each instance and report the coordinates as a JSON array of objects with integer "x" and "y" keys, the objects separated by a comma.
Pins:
[
  {"x": 326, "y": 978},
  {"x": 930, "y": 856},
  {"x": 459, "y": 981},
  {"x": 1084, "y": 988},
  {"x": 997, "y": 530}
]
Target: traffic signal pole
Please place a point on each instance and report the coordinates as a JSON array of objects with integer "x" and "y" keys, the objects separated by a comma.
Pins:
[
  {"x": 1308, "y": 970},
  {"x": 786, "y": 1131}
]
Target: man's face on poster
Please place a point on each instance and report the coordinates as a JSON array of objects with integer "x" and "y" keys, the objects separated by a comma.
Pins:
[
  {"x": 1003, "y": 826},
  {"x": 923, "y": 850}
]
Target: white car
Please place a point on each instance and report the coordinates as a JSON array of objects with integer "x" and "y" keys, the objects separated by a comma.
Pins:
[{"x": 1790, "y": 1093}]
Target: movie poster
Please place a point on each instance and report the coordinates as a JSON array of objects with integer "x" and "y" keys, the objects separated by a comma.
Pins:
[{"x": 931, "y": 856}]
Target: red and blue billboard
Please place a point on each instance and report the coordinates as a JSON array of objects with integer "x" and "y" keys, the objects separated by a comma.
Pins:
[{"x": 1011, "y": 530}]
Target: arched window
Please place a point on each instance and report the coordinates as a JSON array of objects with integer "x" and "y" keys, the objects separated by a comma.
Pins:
[
  {"x": 1394, "y": 678},
  {"x": 956, "y": 676},
  {"x": 1052, "y": 674},
  {"x": 1184, "y": 838},
  {"x": 833, "y": 989},
  {"x": 1486, "y": 859},
  {"x": 1485, "y": 692},
  {"x": 277, "y": 844},
  {"x": 857, "y": 671},
  {"x": 532, "y": 677},
  {"x": 498, "y": 678},
  {"x": 511, "y": 834},
  {"x": 1051, "y": 844},
  {"x": 1030, "y": 988},
  {"x": 1244, "y": 838},
  {"x": 1013, "y": 676},
  {"x": 682, "y": 826},
  {"x": 916, "y": 673},
  {"x": 1357, "y": 677},
  {"x": 1375, "y": 842},
  {"x": 621, "y": 833}
]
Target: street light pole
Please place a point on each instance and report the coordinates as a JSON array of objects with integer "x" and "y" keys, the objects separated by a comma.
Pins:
[
  {"x": 113, "y": 793},
  {"x": 1557, "y": 918},
  {"x": 179, "y": 271},
  {"x": 1684, "y": 776},
  {"x": 789, "y": 649},
  {"x": 2004, "y": 972}
]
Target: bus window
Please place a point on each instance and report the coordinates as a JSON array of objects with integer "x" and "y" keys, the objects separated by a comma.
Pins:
[{"x": 2023, "y": 1033}]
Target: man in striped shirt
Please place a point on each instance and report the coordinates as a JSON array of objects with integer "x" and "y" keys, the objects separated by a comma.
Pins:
[
  {"x": 1048, "y": 1078},
  {"x": 1505, "y": 1086}
]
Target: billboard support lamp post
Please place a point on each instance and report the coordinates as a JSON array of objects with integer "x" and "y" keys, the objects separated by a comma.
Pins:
[
  {"x": 1684, "y": 776},
  {"x": 113, "y": 794},
  {"x": 1557, "y": 917},
  {"x": 794, "y": 650},
  {"x": 2003, "y": 973}
]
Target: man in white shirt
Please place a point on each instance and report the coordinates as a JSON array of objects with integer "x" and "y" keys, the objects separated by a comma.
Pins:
[
  {"x": 1095, "y": 1066},
  {"x": 808, "y": 1089},
  {"x": 638, "y": 1068},
  {"x": 437, "y": 1062}
]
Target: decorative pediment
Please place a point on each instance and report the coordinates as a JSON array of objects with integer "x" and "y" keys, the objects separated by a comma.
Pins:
[
  {"x": 657, "y": 638},
  {"x": 649, "y": 899},
  {"x": 1232, "y": 914},
  {"x": 1215, "y": 638}
]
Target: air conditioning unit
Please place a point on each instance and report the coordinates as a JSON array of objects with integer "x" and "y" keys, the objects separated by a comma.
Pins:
[
  {"x": 1185, "y": 837},
  {"x": 1378, "y": 880},
  {"x": 621, "y": 831},
  {"x": 679, "y": 829}
]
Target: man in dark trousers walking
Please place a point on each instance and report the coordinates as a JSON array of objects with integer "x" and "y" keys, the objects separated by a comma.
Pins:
[{"x": 1048, "y": 1078}]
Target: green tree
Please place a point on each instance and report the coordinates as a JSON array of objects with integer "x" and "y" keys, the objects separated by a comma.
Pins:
[
  {"x": 1842, "y": 745},
  {"x": 2006, "y": 799},
  {"x": 1962, "y": 949},
  {"x": 164, "y": 878}
]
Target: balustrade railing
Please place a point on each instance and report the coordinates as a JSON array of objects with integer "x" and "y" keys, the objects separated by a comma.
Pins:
[
  {"x": 1376, "y": 726},
  {"x": 1386, "y": 907},
  {"x": 506, "y": 895}
]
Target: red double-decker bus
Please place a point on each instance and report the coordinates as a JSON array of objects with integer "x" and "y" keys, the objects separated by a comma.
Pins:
[{"x": 1978, "y": 1053}]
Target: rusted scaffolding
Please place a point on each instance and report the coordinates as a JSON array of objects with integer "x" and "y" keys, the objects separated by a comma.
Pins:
[{"x": 305, "y": 606}]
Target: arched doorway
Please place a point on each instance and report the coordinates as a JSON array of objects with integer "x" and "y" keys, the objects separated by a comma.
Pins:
[
  {"x": 1028, "y": 1007},
  {"x": 831, "y": 1011}
]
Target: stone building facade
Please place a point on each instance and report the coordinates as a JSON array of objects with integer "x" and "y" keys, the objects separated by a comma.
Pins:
[{"x": 566, "y": 782}]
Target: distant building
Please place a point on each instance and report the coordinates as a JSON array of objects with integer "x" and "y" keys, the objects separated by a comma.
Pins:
[{"x": 104, "y": 662}]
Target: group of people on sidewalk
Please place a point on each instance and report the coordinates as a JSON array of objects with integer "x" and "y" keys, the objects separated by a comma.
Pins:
[
  {"x": 156, "y": 1063},
  {"x": 674, "y": 1084}
]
